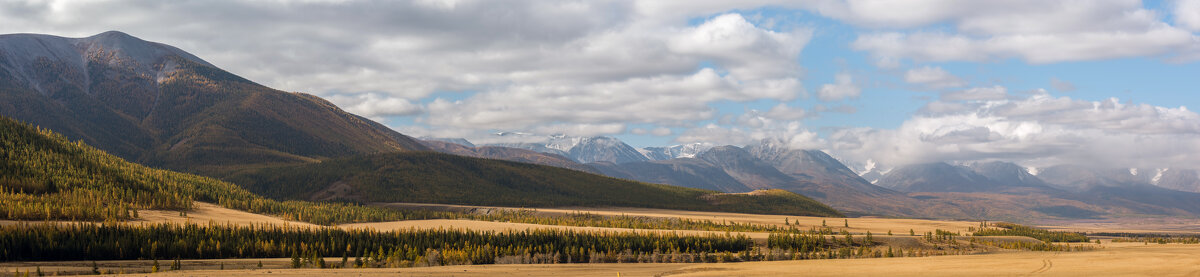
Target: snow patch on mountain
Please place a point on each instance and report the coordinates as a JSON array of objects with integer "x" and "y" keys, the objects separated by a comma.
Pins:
[
  {"x": 689, "y": 150},
  {"x": 1158, "y": 175}
]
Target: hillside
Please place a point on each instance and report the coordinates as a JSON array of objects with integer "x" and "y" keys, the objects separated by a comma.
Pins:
[
  {"x": 428, "y": 177},
  {"x": 157, "y": 105},
  {"x": 44, "y": 176}
]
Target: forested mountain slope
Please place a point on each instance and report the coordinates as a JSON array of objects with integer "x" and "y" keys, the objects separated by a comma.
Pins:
[
  {"x": 45, "y": 176},
  {"x": 158, "y": 105}
]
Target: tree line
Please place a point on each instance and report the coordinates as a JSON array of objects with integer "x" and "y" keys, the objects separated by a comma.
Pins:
[
  {"x": 95, "y": 241},
  {"x": 1010, "y": 229}
]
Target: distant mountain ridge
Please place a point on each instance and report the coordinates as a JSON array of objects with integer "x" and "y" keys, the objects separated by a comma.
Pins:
[
  {"x": 584, "y": 149},
  {"x": 507, "y": 154},
  {"x": 158, "y": 105}
]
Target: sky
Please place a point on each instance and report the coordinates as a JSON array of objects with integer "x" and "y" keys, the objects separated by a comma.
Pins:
[{"x": 889, "y": 83}]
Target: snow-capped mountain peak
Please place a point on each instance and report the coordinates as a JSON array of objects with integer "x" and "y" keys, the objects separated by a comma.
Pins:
[{"x": 689, "y": 150}]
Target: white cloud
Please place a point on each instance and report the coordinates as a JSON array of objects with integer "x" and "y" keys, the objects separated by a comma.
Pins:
[
  {"x": 976, "y": 94},
  {"x": 933, "y": 78},
  {"x": 748, "y": 51},
  {"x": 664, "y": 100},
  {"x": 1187, "y": 14},
  {"x": 842, "y": 88}
]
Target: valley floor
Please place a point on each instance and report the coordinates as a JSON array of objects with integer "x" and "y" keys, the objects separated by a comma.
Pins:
[
  {"x": 1108, "y": 260},
  {"x": 1114, "y": 259}
]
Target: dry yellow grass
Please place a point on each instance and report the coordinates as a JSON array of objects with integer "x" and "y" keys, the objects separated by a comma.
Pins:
[
  {"x": 1116, "y": 259},
  {"x": 857, "y": 225},
  {"x": 204, "y": 213},
  {"x": 201, "y": 213}
]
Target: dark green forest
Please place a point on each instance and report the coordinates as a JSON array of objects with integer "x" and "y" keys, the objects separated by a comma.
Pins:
[
  {"x": 45, "y": 176},
  {"x": 427, "y": 177},
  {"x": 90, "y": 241}
]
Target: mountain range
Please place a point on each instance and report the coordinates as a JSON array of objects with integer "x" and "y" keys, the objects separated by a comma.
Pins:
[
  {"x": 934, "y": 190},
  {"x": 157, "y": 105}
]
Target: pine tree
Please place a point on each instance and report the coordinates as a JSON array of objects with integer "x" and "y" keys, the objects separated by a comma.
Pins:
[{"x": 296, "y": 260}]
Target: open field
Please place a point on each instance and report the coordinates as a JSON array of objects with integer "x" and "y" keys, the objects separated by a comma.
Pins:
[
  {"x": 1129, "y": 225},
  {"x": 203, "y": 213},
  {"x": 856, "y": 225},
  {"x": 1115, "y": 259}
]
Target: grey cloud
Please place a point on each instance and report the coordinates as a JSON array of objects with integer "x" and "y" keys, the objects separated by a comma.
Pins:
[{"x": 1035, "y": 31}]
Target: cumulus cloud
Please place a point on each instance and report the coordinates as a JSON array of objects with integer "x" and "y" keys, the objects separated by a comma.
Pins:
[
  {"x": 1187, "y": 14},
  {"x": 933, "y": 78},
  {"x": 1040, "y": 130},
  {"x": 746, "y": 50},
  {"x": 842, "y": 88},
  {"x": 977, "y": 94}
]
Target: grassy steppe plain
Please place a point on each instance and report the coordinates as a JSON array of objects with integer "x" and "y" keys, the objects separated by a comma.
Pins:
[{"x": 1112, "y": 259}]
